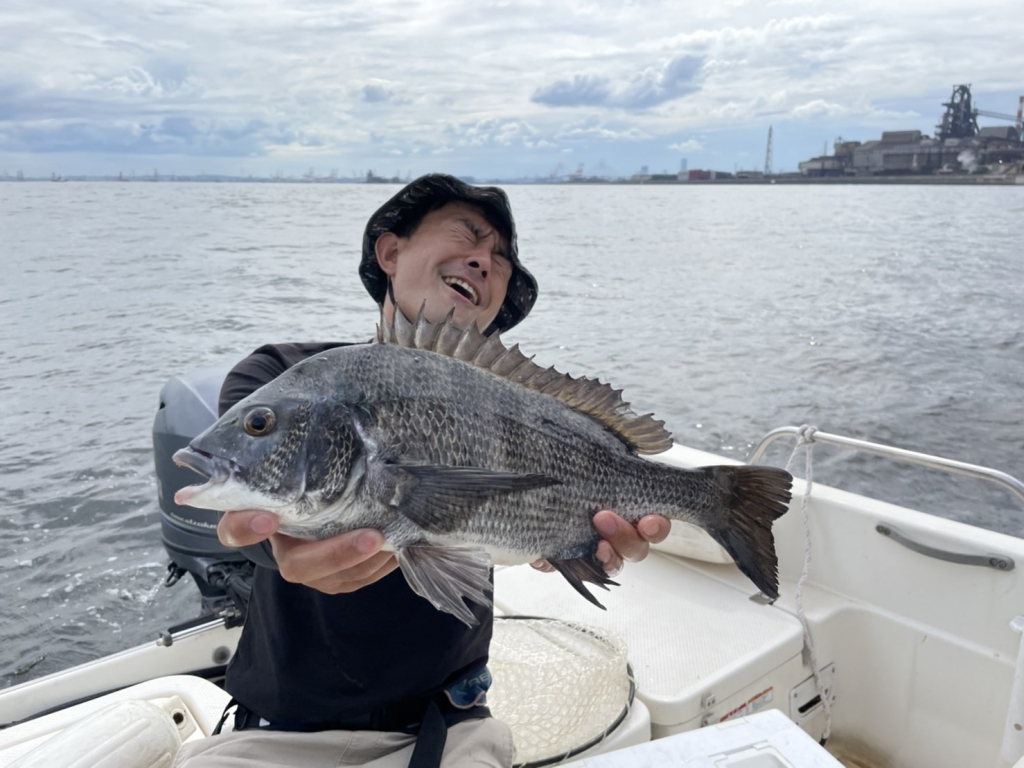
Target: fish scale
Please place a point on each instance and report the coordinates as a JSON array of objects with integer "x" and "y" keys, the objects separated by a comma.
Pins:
[{"x": 463, "y": 452}]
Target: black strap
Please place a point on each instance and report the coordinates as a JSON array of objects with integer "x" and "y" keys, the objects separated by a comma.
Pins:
[
  {"x": 430, "y": 741},
  {"x": 224, "y": 717},
  {"x": 431, "y": 730}
]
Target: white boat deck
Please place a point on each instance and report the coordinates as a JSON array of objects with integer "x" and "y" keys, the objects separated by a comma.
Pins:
[
  {"x": 921, "y": 652},
  {"x": 689, "y": 636}
]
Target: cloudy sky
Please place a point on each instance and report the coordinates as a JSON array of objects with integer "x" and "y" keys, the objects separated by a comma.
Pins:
[{"x": 491, "y": 89}]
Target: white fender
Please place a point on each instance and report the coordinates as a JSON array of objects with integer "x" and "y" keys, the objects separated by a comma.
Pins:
[{"x": 129, "y": 734}]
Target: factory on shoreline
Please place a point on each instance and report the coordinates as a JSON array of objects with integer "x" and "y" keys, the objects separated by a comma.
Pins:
[{"x": 959, "y": 147}]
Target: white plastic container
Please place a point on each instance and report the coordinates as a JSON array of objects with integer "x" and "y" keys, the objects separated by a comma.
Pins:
[{"x": 768, "y": 739}]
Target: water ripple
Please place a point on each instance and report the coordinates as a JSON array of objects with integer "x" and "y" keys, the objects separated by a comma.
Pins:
[{"x": 727, "y": 311}]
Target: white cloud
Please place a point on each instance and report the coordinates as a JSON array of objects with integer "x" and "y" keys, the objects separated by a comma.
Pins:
[
  {"x": 582, "y": 90},
  {"x": 377, "y": 90},
  {"x": 690, "y": 145},
  {"x": 653, "y": 85},
  {"x": 818, "y": 108},
  {"x": 481, "y": 83}
]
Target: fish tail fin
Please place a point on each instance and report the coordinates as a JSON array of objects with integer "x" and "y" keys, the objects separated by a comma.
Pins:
[{"x": 754, "y": 498}]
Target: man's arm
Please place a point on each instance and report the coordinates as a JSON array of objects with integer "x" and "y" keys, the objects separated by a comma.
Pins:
[{"x": 342, "y": 563}]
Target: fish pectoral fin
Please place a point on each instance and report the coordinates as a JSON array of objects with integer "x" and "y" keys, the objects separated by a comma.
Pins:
[
  {"x": 586, "y": 568},
  {"x": 446, "y": 575},
  {"x": 440, "y": 498}
]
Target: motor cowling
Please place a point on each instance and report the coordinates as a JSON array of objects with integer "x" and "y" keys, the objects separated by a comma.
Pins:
[{"x": 188, "y": 405}]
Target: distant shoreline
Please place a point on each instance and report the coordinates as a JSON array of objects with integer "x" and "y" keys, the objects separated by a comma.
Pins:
[
  {"x": 952, "y": 179},
  {"x": 987, "y": 180}
]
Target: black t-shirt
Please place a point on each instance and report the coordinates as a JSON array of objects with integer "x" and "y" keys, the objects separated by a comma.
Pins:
[{"x": 308, "y": 657}]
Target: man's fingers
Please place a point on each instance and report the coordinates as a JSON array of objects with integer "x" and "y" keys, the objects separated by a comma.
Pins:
[
  {"x": 543, "y": 565},
  {"x": 609, "y": 559},
  {"x": 245, "y": 527},
  {"x": 305, "y": 561},
  {"x": 377, "y": 567},
  {"x": 654, "y": 528},
  {"x": 623, "y": 537}
]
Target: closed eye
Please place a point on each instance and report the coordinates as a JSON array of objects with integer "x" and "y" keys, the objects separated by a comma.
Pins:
[
  {"x": 473, "y": 229},
  {"x": 477, "y": 235}
]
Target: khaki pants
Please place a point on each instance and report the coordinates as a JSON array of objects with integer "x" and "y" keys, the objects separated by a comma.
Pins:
[{"x": 484, "y": 742}]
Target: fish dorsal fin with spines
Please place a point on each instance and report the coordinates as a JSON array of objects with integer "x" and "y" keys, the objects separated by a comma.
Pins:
[{"x": 642, "y": 434}]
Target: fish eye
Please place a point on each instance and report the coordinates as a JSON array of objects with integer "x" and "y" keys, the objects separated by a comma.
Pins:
[{"x": 259, "y": 421}]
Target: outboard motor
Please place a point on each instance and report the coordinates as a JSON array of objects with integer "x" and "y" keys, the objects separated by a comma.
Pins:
[{"x": 188, "y": 405}]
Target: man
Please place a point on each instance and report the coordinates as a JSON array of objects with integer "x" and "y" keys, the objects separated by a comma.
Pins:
[{"x": 339, "y": 661}]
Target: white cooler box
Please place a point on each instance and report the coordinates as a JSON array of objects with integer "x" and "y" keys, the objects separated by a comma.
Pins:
[{"x": 766, "y": 740}]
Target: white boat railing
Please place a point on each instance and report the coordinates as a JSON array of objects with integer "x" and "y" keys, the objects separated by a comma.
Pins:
[
  {"x": 996, "y": 560},
  {"x": 812, "y": 435}
]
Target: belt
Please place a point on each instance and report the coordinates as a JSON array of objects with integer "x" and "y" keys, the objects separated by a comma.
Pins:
[{"x": 405, "y": 717}]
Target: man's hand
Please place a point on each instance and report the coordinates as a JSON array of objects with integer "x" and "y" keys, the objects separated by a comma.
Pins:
[
  {"x": 622, "y": 541},
  {"x": 342, "y": 563}
]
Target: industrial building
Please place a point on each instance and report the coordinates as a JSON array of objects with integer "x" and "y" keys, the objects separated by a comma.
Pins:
[{"x": 959, "y": 147}]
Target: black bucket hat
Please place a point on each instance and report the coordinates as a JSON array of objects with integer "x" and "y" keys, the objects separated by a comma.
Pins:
[{"x": 403, "y": 212}]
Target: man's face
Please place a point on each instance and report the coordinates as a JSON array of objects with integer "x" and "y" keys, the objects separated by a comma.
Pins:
[{"x": 454, "y": 259}]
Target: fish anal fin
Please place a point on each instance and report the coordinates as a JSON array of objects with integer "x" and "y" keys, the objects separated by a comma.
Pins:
[
  {"x": 445, "y": 575},
  {"x": 580, "y": 569},
  {"x": 439, "y": 499}
]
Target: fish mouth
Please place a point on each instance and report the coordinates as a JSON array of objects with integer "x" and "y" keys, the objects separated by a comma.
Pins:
[
  {"x": 216, "y": 468},
  {"x": 464, "y": 288}
]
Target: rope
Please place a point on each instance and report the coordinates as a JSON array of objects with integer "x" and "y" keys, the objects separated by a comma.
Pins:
[{"x": 805, "y": 439}]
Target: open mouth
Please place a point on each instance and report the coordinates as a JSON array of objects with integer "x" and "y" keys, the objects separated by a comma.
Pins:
[
  {"x": 215, "y": 468},
  {"x": 462, "y": 288}
]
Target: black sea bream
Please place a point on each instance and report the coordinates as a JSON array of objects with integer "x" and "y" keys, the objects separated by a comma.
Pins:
[{"x": 462, "y": 452}]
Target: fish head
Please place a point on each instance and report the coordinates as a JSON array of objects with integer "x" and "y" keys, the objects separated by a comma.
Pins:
[{"x": 290, "y": 453}]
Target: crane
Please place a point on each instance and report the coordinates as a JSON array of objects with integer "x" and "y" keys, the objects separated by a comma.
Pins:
[
  {"x": 1017, "y": 120},
  {"x": 997, "y": 115}
]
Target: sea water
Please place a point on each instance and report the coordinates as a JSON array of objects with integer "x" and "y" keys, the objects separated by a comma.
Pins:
[{"x": 889, "y": 313}]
